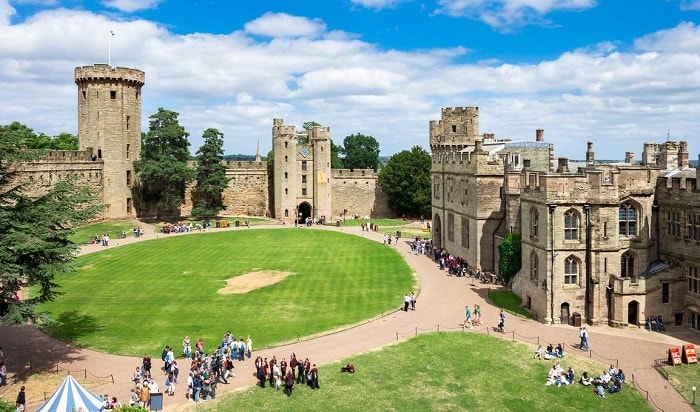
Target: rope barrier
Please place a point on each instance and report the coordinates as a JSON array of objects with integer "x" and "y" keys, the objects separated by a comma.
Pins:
[{"x": 645, "y": 394}]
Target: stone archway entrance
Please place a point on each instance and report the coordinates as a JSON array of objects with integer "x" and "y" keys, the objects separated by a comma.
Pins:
[
  {"x": 564, "y": 310},
  {"x": 633, "y": 313},
  {"x": 303, "y": 211},
  {"x": 437, "y": 231}
]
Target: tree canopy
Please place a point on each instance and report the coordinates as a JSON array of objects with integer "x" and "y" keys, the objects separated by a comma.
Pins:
[
  {"x": 509, "y": 256},
  {"x": 35, "y": 245},
  {"x": 360, "y": 152},
  {"x": 163, "y": 170},
  {"x": 406, "y": 180},
  {"x": 211, "y": 175},
  {"x": 26, "y": 137}
]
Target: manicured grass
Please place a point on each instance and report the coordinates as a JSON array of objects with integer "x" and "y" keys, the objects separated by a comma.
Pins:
[
  {"x": 441, "y": 372},
  {"x": 408, "y": 228},
  {"x": 683, "y": 378},
  {"x": 510, "y": 302},
  {"x": 87, "y": 233},
  {"x": 140, "y": 297}
]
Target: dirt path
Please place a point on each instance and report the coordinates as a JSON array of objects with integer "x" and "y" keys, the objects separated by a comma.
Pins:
[{"x": 440, "y": 304}]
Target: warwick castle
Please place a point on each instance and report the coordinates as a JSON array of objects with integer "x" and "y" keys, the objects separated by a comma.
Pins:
[
  {"x": 602, "y": 243},
  {"x": 610, "y": 243},
  {"x": 300, "y": 184}
]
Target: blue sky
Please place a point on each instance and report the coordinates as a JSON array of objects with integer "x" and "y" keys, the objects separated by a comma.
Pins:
[{"x": 617, "y": 73}]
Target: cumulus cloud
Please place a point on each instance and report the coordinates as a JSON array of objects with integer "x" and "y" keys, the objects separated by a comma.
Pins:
[
  {"x": 302, "y": 71},
  {"x": 285, "y": 25},
  {"x": 130, "y": 6},
  {"x": 378, "y": 4},
  {"x": 508, "y": 14}
]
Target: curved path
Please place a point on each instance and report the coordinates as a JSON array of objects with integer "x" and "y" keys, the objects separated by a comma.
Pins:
[{"x": 440, "y": 305}]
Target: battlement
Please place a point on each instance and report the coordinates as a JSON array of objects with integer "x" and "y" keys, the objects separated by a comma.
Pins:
[
  {"x": 460, "y": 111},
  {"x": 245, "y": 165},
  {"x": 107, "y": 72},
  {"x": 279, "y": 129},
  {"x": 354, "y": 173},
  {"x": 320, "y": 133},
  {"x": 67, "y": 156}
]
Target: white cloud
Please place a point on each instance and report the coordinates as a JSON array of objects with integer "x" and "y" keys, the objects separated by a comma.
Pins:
[
  {"x": 690, "y": 5},
  {"x": 508, "y": 14},
  {"x": 378, "y": 4},
  {"x": 130, "y": 6},
  {"x": 285, "y": 25},
  {"x": 238, "y": 83}
]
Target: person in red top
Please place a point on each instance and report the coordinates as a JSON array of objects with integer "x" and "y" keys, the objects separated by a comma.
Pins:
[
  {"x": 313, "y": 382},
  {"x": 288, "y": 383},
  {"x": 293, "y": 364},
  {"x": 283, "y": 367}
]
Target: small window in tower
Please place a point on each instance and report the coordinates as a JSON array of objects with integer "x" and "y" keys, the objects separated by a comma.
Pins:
[
  {"x": 128, "y": 150},
  {"x": 303, "y": 165},
  {"x": 129, "y": 204},
  {"x": 137, "y": 95},
  {"x": 84, "y": 95},
  {"x": 286, "y": 175},
  {"x": 128, "y": 178},
  {"x": 303, "y": 178},
  {"x": 286, "y": 191},
  {"x": 286, "y": 144},
  {"x": 112, "y": 94},
  {"x": 128, "y": 121},
  {"x": 454, "y": 128},
  {"x": 303, "y": 192},
  {"x": 286, "y": 159}
]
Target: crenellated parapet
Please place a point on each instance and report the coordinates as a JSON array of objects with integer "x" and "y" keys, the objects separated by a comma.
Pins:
[
  {"x": 354, "y": 173},
  {"x": 67, "y": 156},
  {"x": 105, "y": 72}
]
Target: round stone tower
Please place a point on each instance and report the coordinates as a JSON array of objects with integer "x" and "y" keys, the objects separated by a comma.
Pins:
[{"x": 109, "y": 125}]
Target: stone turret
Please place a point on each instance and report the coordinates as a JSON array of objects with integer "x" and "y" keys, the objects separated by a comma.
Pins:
[
  {"x": 590, "y": 155},
  {"x": 682, "y": 154},
  {"x": 109, "y": 125},
  {"x": 629, "y": 158},
  {"x": 539, "y": 135}
]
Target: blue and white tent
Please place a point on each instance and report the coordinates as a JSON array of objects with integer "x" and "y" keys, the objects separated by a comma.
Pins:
[{"x": 72, "y": 397}]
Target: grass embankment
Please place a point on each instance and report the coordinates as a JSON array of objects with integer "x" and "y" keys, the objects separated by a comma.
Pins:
[
  {"x": 140, "y": 297},
  {"x": 683, "y": 378},
  {"x": 441, "y": 372},
  {"x": 510, "y": 302}
]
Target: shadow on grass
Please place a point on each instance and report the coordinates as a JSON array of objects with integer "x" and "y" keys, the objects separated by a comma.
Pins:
[{"x": 72, "y": 325}]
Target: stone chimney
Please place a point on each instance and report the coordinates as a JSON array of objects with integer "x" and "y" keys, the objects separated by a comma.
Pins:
[
  {"x": 539, "y": 135},
  {"x": 590, "y": 156},
  {"x": 669, "y": 155},
  {"x": 629, "y": 157},
  {"x": 563, "y": 165},
  {"x": 649, "y": 154},
  {"x": 478, "y": 146},
  {"x": 682, "y": 154}
]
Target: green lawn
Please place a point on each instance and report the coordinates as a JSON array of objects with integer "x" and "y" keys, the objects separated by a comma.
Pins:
[
  {"x": 113, "y": 227},
  {"x": 139, "y": 297},
  {"x": 441, "y": 372},
  {"x": 683, "y": 377},
  {"x": 510, "y": 302}
]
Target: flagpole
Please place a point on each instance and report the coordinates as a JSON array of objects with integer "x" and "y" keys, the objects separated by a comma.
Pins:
[{"x": 109, "y": 50}]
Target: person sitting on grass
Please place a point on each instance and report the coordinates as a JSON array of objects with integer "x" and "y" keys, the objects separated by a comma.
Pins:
[
  {"x": 350, "y": 368},
  {"x": 559, "y": 351},
  {"x": 621, "y": 375},
  {"x": 600, "y": 391},
  {"x": 605, "y": 377},
  {"x": 585, "y": 380},
  {"x": 570, "y": 376},
  {"x": 539, "y": 353},
  {"x": 615, "y": 386}
]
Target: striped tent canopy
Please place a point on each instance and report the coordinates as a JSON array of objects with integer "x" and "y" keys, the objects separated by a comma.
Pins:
[{"x": 72, "y": 397}]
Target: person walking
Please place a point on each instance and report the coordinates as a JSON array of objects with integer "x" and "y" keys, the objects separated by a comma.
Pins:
[
  {"x": 406, "y": 302},
  {"x": 502, "y": 321},
  {"x": 413, "y": 300},
  {"x": 467, "y": 317},
  {"x": 21, "y": 400},
  {"x": 584, "y": 339}
]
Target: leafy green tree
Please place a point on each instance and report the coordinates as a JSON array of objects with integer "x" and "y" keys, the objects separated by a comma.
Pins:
[
  {"x": 406, "y": 180},
  {"x": 509, "y": 256},
  {"x": 64, "y": 141},
  {"x": 162, "y": 170},
  {"x": 307, "y": 126},
  {"x": 360, "y": 152},
  {"x": 336, "y": 161},
  {"x": 211, "y": 175},
  {"x": 35, "y": 245}
]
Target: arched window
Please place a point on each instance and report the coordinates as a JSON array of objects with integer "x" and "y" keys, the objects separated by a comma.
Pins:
[
  {"x": 534, "y": 264},
  {"x": 628, "y": 220},
  {"x": 286, "y": 144},
  {"x": 571, "y": 268},
  {"x": 534, "y": 222},
  {"x": 571, "y": 225},
  {"x": 627, "y": 267},
  {"x": 286, "y": 212}
]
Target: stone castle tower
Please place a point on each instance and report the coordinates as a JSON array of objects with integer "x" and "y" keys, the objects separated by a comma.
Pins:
[
  {"x": 109, "y": 126},
  {"x": 302, "y": 172}
]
